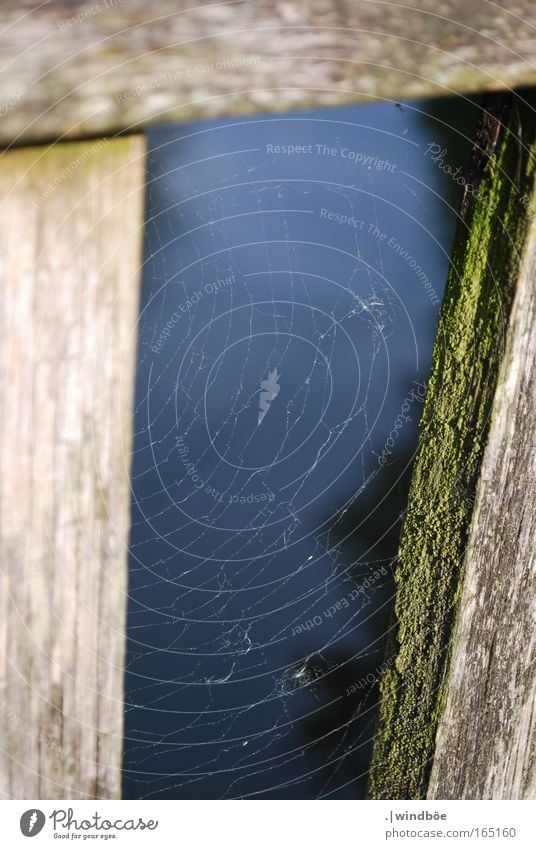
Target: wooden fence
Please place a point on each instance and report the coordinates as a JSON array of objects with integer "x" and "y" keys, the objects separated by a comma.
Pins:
[{"x": 457, "y": 708}]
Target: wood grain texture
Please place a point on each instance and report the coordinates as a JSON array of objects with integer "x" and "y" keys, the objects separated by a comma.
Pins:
[
  {"x": 485, "y": 746},
  {"x": 486, "y": 270},
  {"x": 83, "y": 68},
  {"x": 70, "y": 253}
]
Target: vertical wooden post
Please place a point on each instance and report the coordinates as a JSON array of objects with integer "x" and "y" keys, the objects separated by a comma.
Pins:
[
  {"x": 70, "y": 248},
  {"x": 481, "y": 372},
  {"x": 485, "y": 744}
]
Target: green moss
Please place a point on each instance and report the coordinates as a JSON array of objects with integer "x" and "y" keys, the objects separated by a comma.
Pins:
[{"x": 453, "y": 430}]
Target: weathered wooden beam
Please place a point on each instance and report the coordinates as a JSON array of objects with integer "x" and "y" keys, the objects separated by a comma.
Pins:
[
  {"x": 493, "y": 258},
  {"x": 70, "y": 280},
  {"x": 78, "y": 68},
  {"x": 485, "y": 745}
]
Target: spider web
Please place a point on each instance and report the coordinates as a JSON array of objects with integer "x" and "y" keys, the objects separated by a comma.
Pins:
[{"x": 262, "y": 545}]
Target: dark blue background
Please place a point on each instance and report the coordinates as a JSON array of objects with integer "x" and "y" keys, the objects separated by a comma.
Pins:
[{"x": 260, "y": 582}]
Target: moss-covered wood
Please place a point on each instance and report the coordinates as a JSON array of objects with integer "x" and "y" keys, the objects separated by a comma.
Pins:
[
  {"x": 484, "y": 747},
  {"x": 467, "y": 357}
]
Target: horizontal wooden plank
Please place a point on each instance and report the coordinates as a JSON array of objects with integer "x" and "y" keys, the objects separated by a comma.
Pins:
[
  {"x": 470, "y": 382},
  {"x": 79, "y": 68},
  {"x": 69, "y": 253}
]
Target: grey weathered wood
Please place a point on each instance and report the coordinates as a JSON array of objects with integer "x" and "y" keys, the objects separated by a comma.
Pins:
[
  {"x": 70, "y": 252},
  {"x": 481, "y": 370},
  {"x": 79, "y": 68},
  {"x": 485, "y": 745}
]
